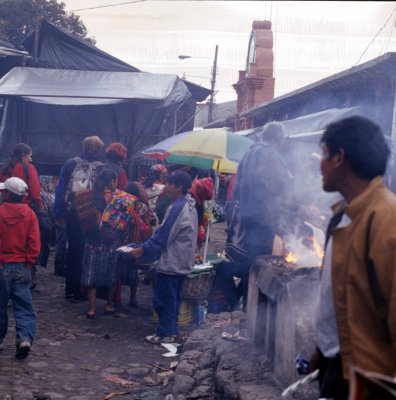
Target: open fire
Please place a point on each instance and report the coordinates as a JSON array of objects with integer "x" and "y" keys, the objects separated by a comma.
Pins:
[{"x": 304, "y": 253}]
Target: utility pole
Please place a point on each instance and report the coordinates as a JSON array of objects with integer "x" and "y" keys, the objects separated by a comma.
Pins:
[{"x": 212, "y": 86}]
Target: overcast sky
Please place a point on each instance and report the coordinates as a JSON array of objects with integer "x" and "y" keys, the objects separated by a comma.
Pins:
[{"x": 312, "y": 40}]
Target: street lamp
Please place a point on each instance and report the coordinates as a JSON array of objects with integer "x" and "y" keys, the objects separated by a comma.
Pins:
[{"x": 212, "y": 80}]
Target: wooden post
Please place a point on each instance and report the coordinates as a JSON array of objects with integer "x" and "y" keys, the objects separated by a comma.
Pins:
[{"x": 36, "y": 40}]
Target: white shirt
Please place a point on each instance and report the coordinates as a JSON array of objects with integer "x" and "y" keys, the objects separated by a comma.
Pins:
[{"x": 325, "y": 318}]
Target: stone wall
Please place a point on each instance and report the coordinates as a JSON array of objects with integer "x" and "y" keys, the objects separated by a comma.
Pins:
[{"x": 281, "y": 304}]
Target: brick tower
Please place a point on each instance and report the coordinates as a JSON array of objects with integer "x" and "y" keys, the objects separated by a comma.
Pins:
[{"x": 256, "y": 83}]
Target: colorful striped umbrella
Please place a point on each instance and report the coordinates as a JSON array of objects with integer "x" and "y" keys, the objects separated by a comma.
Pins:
[{"x": 218, "y": 149}]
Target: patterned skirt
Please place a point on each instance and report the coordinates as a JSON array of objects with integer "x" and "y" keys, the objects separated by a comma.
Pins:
[
  {"x": 128, "y": 272},
  {"x": 99, "y": 264}
]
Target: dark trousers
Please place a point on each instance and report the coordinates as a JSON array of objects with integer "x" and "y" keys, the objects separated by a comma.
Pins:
[
  {"x": 331, "y": 381},
  {"x": 167, "y": 299},
  {"x": 45, "y": 237},
  {"x": 225, "y": 272},
  {"x": 74, "y": 254},
  {"x": 60, "y": 250}
]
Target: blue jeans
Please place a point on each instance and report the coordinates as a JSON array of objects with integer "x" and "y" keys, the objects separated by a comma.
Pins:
[
  {"x": 15, "y": 280},
  {"x": 167, "y": 298}
]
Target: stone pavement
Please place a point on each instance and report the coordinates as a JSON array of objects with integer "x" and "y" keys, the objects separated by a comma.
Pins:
[
  {"x": 78, "y": 359},
  {"x": 75, "y": 358},
  {"x": 220, "y": 362}
]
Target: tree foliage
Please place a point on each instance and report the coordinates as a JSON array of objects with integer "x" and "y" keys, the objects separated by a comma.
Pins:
[{"x": 18, "y": 19}]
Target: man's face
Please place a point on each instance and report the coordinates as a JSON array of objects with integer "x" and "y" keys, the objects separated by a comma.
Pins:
[
  {"x": 173, "y": 191},
  {"x": 329, "y": 170}
]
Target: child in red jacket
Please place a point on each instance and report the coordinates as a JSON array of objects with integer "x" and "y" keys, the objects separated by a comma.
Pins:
[{"x": 19, "y": 250}]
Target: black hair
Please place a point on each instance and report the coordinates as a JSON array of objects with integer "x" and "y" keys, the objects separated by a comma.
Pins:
[
  {"x": 112, "y": 156},
  {"x": 152, "y": 176},
  {"x": 363, "y": 142},
  {"x": 132, "y": 188},
  {"x": 13, "y": 197},
  {"x": 102, "y": 180},
  {"x": 192, "y": 171},
  {"x": 18, "y": 151},
  {"x": 203, "y": 173},
  {"x": 182, "y": 179}
]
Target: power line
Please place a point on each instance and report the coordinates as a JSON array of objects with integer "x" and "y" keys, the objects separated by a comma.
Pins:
[
  {"x": 392, "y": 27},
  {"x": 372, "y": 40},
  {"x": 108, "y": 5}
]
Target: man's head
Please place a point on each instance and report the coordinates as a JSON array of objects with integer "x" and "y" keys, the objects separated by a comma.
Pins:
[
  {"x": 15, "y": 189},
  {"x": 92, "y": 145},
  {"x": 355, "y": 144},
  {"x": 272, "y": 132},
  {"x": 178, "y": 184}
]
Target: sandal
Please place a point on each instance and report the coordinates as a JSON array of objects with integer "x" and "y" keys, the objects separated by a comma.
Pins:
[
  {"x": 109, "y": 312},
  {"x": 90, "y": 315}
]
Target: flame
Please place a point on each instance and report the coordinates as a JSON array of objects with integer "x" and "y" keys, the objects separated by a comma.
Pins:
[
  {"x": 306, "y": 252},
  {"x": 291, "y": 258}
]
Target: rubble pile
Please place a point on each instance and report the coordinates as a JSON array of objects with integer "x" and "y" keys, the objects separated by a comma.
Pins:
[{"x": 219, "y": 361}]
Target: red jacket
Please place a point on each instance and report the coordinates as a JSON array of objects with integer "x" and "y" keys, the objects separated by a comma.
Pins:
[
  {"x": 33, "y": 184},
  {"x": 19, "y": 234},
  {"x": 122, "y": 180}
]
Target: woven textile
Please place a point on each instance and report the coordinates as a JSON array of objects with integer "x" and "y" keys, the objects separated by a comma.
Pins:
[
  {"x": 99, "y": 264},
  {"x": 202, "y": 189},
  {"x": 117, "y": 214},
  {"x": 128, "y": 272},
  {"x": 84, "y": 205},
  {"x": 197, "y": 286}
]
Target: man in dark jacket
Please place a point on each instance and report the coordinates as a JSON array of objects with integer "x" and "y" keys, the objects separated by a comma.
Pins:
[
  {"x": 19, "y": 250},
  {"x": 67, "y": 216},
  {"x": 261, "y": 197}
]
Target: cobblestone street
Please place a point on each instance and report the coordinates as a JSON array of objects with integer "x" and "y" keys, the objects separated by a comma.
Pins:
[{"x": 75, "y": 358}]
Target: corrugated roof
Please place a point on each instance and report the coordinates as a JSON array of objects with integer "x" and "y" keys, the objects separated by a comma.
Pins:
[{"x": 385, "y": 64}]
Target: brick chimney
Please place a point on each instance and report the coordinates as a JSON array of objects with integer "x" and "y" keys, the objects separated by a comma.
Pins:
[{"x": 256, "y": 83}]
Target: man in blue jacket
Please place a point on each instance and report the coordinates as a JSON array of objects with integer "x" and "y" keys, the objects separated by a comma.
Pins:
[
  {"x": 174, "y": 244},
  {"x": 66, "y": 216}
]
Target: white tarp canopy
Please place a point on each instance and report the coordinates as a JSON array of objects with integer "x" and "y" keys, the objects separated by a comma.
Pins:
[
  {"x": 56, "y": 84},
  {"x": 52, "y": 110}
]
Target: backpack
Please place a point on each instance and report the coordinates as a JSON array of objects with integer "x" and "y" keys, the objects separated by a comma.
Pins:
[
  {"x": 79, "y": 194},
  {"x": 117, "y": 215},
  {"x": 83, "y": 175}
]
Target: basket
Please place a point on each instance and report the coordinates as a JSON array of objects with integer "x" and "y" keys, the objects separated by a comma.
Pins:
[
  {"x": 187, "y": 313},
  {"x": 197, "y": 286}
]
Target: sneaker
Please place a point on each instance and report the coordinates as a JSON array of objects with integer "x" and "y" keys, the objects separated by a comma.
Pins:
[
  {"x": 158, "y": 339},
  {"x": 23, "y": 350}
]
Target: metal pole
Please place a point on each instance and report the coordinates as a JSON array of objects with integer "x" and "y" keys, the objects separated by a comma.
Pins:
[{"x": 212, "y": 86}]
